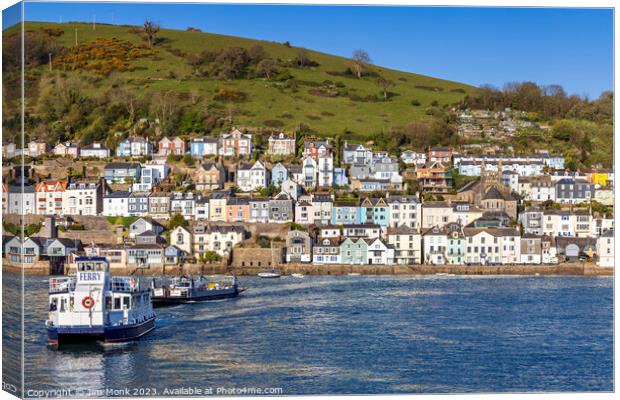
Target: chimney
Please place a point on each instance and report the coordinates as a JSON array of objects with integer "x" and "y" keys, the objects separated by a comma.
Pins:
[{"x": 49, "y": 228}]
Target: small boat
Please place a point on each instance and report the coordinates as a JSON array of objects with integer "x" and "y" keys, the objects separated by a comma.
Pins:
[
  {"x": 94, "y": 306},
  {"x": 297, "y": 275},
  {"x": 354, "y": 274},
  {"x": 444, "y": 274},
  {"x": 272, "y": 273},
  {"x": 186, "y": 289}
]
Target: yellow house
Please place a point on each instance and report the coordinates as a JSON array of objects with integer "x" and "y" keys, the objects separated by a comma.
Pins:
[{"x": 600, "y": 178}]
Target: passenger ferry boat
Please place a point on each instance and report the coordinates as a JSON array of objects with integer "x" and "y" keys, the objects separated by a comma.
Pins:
[
  {"x": 94, "y": 306},
  {"x": 187, "y": 289}
]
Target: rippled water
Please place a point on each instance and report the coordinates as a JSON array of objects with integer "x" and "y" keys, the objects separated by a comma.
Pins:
[{"x": 349, "y": 335}]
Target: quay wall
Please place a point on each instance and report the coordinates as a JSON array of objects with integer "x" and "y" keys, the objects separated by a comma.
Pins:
[{"x": 338, "y": 269}]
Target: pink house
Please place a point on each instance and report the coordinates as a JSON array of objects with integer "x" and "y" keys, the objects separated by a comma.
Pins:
[{"x": 174, "y": 146}]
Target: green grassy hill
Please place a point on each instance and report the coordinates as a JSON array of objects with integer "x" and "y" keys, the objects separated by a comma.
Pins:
[{"x": 362, "y": 110}]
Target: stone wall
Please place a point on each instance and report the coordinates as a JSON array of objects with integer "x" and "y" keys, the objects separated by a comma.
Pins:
[{"x": 257, "y": 257}]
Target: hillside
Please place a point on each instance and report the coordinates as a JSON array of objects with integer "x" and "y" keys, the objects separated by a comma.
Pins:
[{"x": 324, "y": 99}]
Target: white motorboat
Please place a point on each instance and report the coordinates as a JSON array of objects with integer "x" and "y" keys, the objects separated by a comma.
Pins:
[{"x": 272, "y": 273}]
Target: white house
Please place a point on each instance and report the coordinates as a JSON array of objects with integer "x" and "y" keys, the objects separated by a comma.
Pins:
[
  {"x": 116, "y": 204},
  {"x": 82, "y": 198},
  {"x": 434, "y": 243},
  {"x": 492, "y": 246},
  {"x": 605, "y": 249},
  {"x": 251, "y": 177},
  {"x": 325, "y": 176},
  {"x": 410, "y": 157},
  {"x": 407, "y": 243},
  {"x": 95, "y": 150},
  {"x": 405, "y": 210},
  {"x": 379, "y": 252}
]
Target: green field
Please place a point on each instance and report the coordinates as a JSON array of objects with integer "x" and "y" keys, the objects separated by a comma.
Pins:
[{"x": 269, "y": 100}]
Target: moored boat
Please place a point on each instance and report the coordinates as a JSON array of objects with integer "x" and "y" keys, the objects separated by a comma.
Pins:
[
  {"x": 297, "y": 275},
  {"x": 187, "y": 289},
  {"x": 94, "y": 306},
  {"x": 272, "y": 273}
]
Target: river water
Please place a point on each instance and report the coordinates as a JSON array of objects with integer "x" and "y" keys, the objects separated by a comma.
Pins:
[{"x": 362, "y": 334}]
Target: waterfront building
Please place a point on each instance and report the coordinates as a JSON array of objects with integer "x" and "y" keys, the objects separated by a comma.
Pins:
[
  {"x": 379, "y": 253},
  {"x": 354, "y": 251},
  {"x": 322, "y": 205},
  {"x": 492, "y": 246},
  {"x": 316, "y": 148},
  {"x": 542, "y": 189},
  {"x": 326, "y": 251},
  {"x": 434, "y": 242},
  {"x": 549, "y": 251},
  {"x": 304, "y": 212},
  {"x": 181, "y": 237},
  {"x": 605, "y": 249},
  {"x": 531, "y": 249},
  {"x": 407, "y": 244},
  {"x": 67, "y": 149},
  {"x": 298, "y": 247}
]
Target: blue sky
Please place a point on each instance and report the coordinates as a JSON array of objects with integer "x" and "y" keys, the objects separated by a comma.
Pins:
[{"x": 570, "y": 47}]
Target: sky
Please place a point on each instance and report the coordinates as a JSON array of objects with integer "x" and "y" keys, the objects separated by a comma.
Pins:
[{"x": 473, "y": 45}]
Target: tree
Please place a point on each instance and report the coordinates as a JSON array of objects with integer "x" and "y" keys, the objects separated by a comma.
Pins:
[
  {"x": 302, "y": 58},
  {"x": 267, "y": 68},
  {"x": 165, "y": 107},
  {"x": 150, "y": 31},
  {"x": 384, "y": 84},
  {"x": 211, "y": 256},
  {"x": 176, "y": 220},
  {"x": 359, "y": 61}
]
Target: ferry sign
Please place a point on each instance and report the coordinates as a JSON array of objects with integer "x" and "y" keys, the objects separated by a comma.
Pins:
[{"x": 90, "y": 276}]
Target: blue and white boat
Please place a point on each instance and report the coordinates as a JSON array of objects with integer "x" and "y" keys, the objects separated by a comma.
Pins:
[{"x": 94, "y": 306}]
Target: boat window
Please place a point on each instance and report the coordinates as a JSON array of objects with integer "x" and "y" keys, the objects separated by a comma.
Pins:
[
  {"x": 54, "y": 304},
  {"x": 117, "y": 303},
  {"x": 126, "y": 302},
  {"x": 108, "y": 303},
  {"x": 71, "y": 302},
  {"x": 63, "y": 305}
]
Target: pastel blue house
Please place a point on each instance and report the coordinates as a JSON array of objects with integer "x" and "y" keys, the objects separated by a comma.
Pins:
[
  {"x": 346, "y": 212},
  {"x": 340, "y": 177},
  {"x": 279, "y": 174},
  {"x": 354, "y": 251},
  {"x": 204, "y": 146},
  {"x": 375, "y": 211}
]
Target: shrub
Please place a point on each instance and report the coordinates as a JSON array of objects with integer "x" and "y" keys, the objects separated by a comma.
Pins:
[{"x": 416, "y": 103}]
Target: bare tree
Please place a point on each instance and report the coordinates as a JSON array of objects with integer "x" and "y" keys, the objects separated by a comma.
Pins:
[
  {"x": 384, "y": 84},
  {"x": 165, "y": 107},
  {"x": 267, "y": 68},
  {"x": 359, "y": 61},
  {"x": 150, "y": 31}
]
